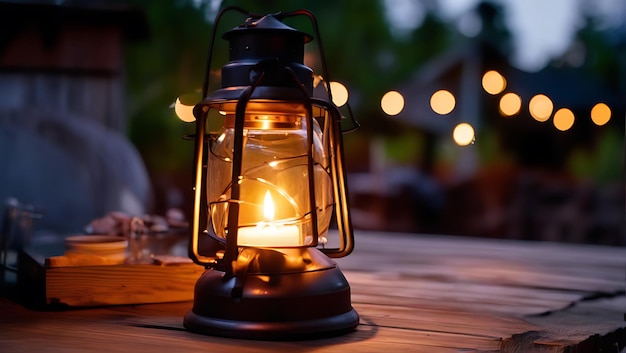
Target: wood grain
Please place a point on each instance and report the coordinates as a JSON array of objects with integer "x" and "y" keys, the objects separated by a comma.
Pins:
[
  {"x": 414, "y": 293},
  {"x": 81, "y": 286}
]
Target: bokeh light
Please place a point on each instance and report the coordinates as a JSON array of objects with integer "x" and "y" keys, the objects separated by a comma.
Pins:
[
  {"x": 184, "y": 110},
  {"x": 392, "y": 103},
  {"x": 442, "y": 102},
  {"x": 463, "y": 134},
  {"x": 563, "y": 119},
  {"x": 340, "y": 93},
  {"x": 510, "y": 104},
  {"x": 540, "y": 107},
  {"x": 493, "y": 82},
  {"x": 600, "y": 114}
]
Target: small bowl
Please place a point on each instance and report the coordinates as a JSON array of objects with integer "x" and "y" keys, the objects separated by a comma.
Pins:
[{"x": 109, "y": 249}]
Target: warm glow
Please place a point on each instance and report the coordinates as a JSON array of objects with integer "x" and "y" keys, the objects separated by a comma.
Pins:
[
  {"x": 510, "y": 104},
  {"x": 340, "y": 93},
  {"x": 442, "y": 102},
  {"x": 540, "y": 107},
  {"x": 493, "y": 82},
  {"x": 268, "y": 233},
  {"x": 463, "y": 134},
  {"x": 268, "y": 207},
  {"x": 600, "y": 114},
  {"x": 392, "y": 103},
  {"x": 563, "y": 119},
  {"x": 184, "y": 111}
]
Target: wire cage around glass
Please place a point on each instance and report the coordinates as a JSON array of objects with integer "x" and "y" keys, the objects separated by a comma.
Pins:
[
  {"x": 267, "y": 186},
  {"x": 275, "y": 203}
]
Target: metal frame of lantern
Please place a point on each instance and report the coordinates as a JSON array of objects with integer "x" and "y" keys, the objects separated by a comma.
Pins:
[{"x": 268, "y": 292}]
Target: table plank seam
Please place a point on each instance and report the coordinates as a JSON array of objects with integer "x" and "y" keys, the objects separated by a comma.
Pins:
[
  {"x": 591, "y": 297},
  {"x": 432, "y": 331},
  {"x": 158, "y": 327}
]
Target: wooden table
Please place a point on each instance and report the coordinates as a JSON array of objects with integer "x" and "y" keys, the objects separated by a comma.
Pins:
[{"x": 414, "y": 293}]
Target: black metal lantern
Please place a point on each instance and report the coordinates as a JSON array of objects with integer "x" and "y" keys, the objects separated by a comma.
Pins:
[{"x": 267, "y": 186}]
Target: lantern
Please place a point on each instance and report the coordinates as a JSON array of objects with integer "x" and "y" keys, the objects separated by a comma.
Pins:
[{"x": 268, "y": 185}]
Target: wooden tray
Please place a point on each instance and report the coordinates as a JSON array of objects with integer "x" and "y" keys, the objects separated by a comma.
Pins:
[{"x": 43, "y": 282}]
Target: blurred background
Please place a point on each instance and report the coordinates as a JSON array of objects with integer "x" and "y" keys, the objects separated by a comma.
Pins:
[{"x": 506, "y": 118}]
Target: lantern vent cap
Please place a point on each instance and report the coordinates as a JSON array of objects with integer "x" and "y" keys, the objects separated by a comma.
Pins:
[{"x": 268, "y": 22}]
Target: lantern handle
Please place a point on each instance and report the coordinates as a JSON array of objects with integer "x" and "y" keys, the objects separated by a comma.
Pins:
[
  {"x": 205, "y": 86},
  {"x": 280, "y": 16},
  {"x": 344, "y": 222},
  {"x": 356, "y": 125},
  {"x": 325, "y": 75},
  {"x": 200, "y": 138}
]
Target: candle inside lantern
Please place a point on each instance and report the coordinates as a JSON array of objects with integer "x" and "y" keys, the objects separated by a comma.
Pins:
[{"x": 269, "y": 233}]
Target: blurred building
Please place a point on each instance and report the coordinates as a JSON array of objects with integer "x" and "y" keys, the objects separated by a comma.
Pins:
[
  {"x": 63, "y": 146},
  {"x": 525, "y": 187}
]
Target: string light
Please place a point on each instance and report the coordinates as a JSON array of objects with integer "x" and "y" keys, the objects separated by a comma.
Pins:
[
  {"x": 563, "y": 119},
  {"x": 392, "y": 103},
  {"x": 442, "y": 102},
  {"x": 600, "y": 114},
  {"x": 493, "y": 82},
  {"x": 184, "y": 111},
  {"x": 463, "y": 134},
  {"x": 510, "y": 104},
  {"x": 340, "y": 93},
  {"x": 540, "y": 107}
]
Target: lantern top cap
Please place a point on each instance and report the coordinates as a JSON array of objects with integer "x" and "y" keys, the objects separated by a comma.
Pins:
[{"x": 269, "y": 22}]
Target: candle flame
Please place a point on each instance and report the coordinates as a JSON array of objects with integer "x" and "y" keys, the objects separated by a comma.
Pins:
[{"x": 268, "y": 207}]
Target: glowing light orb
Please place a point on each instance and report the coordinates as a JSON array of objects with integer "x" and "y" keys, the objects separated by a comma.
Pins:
[
  {"x": 392, "y": 103},
  {"x": 463, "y": 134},
  {"x": 540, "y": 107},
  {"x": 340, "y": 93},
  {"x": 563, "y": 119},
  {"x": 184, "y": 111},
  {"x": 442, "y": 102},
  {"x": 510, "y": 104},
  {"x": 493, "y": 82},
  {"x": 600, "y": 114}
]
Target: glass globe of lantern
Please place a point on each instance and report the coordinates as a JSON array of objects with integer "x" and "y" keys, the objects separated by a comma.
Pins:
[{"x": 274, "y": 161}]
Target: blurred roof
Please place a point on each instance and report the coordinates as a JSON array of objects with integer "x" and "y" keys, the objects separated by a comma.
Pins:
[
  {"x": 86, "y": 36},
  {"x": 17, "y": 14},
  {"x": 572, "y": 88}
]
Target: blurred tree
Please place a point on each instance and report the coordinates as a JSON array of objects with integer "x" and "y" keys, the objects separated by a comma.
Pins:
[{"x": 601, "y": 51}]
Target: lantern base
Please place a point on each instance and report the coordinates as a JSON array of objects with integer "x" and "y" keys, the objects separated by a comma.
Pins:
[
  {"x": 285, "y": 305},
  {"x": 290, "y": 330}
]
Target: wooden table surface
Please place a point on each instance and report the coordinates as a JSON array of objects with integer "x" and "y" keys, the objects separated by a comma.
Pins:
[{"x": 414, "y": 293}]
